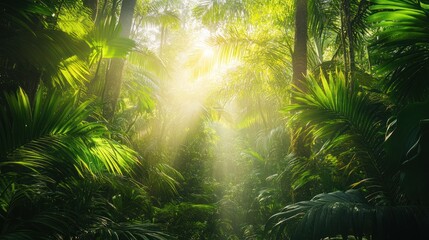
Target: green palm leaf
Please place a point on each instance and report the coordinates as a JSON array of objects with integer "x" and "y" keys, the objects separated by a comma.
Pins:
[
  {"x": 55, "y": 53},
  {"x": 106, "y": 42},
  {"x": 348, "y": 124},
  {"x": 213, "y": 12},
  {"x": 347, "y": 214},
  {"x": 334, "y": 112},
  {"x": 127, "y": 230},
  {"x": 29, "y": 41},
  {"x": 400, "y": 48},
  {"x": 81, "y": 208},
  {"x": 51, "y": 135}
]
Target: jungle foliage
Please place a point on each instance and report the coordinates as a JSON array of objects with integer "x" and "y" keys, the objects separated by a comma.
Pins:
[{"x": 238, "y": 119}]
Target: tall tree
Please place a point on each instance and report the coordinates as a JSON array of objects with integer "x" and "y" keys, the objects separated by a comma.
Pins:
[
  {"x": 114, "y": 74},
  {"x": 299, "y": 57},
  {"x": 299, "y": 68}
]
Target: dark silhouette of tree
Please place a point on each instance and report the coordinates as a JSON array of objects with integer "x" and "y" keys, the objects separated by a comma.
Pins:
[{"x": 114, "y": 73}]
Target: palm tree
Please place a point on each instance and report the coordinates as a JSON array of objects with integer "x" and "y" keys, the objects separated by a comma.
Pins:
[{"x": 351, "y": 124}]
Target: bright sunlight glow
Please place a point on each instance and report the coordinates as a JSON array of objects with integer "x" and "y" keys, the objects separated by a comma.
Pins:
[{"x": 208, "y": 52}]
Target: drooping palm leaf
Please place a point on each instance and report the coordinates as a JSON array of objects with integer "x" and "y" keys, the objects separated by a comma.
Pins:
[
  {"x": 164, "y": 180},
  {"x": 400, "y": 48},
  {"x": 347, "y": 214},
  {"x": 148, "y": 61},
  {"x": 30, "y": 41},
  {"x": 23, "y": 12},
  {"x": 50, "y": 51}
]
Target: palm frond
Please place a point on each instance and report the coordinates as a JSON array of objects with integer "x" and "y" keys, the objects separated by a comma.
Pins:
[
  {"x": 226, "y": 48},
  {"x": 346, "y": 214},
  {"x": 127, "y": 230},
  {"x": 72, "y": 71},
  {"x": 50, "y": 51},
  {"x": 322, "y": 16},
  {"x": 32, "y": 41},
  {"x": 147, "y": 60},
  {"x": 164, "y": 180},
  {"x": 21, "y": 14},
  {"x": 106, "y": 42},
  {"x": 146, "y": 68},
  {"x": 74, "y": 18},
  {"x": 349, "y": 125},
  {"x": 52, "y": 135},
  {"x": 20, "y": 220},
  {"x": 326, "y": 24},
  {"x": 400, "y": 47},
  {"x": 332, "y": 110},
  {"x": 211, "y": 12}
]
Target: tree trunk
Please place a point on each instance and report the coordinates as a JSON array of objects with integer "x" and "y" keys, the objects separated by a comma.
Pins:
[
  {"x": 299, "y": 57},
  {"x": 350, "y": 38},
  {"x": 347, "y": 42},
  {"x": 344, "y": 44},
  {"x": 114, "y": 73},
  {"x": 299, "y": 143}
]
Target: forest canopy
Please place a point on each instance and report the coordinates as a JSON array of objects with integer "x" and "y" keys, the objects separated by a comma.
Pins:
[{"x": 214, "y": 119}]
